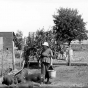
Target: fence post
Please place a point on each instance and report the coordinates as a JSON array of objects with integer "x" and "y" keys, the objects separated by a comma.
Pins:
[
  {"x": 2, "y": 63},
  {"x": 13, "y": 57}
]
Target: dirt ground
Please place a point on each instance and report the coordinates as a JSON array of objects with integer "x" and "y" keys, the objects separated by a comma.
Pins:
[
  {"x": 71, "y": 76},
  {"x": 68, "y": 76}
]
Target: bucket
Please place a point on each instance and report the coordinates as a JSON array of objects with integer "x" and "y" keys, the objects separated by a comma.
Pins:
[{"x": 52, "y": 73}]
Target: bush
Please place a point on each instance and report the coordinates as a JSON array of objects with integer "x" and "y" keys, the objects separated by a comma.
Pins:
[{"x": 78, "y": 47}]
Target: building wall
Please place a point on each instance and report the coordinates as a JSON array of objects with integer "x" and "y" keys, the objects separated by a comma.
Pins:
[
  {"x": 7, "y": 40},
  {"x": 7, "y": 47},
  {"x": 1, "y": 43}
]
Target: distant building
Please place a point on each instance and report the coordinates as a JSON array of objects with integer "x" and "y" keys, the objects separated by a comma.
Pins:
[
  {"x": 6, "y": 39},
  {"x": 32, "y": 35},
  {"x": 75, "y": 42}
]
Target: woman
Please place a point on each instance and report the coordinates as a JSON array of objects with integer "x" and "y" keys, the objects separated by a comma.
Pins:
[{"x": 45, "y": 61}]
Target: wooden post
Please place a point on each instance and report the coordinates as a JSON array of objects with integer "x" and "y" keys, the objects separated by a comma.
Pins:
[
  {"x": 51, "y": 61},
  {"x": 69, "y": 56},
  {"x": 13, "y": 55},
  {"x": 2, "y": 52},
  {"x": 2, "y": 63}
]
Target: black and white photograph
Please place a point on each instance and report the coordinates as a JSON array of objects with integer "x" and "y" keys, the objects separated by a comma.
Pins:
[{"x": 43, "y": 43}]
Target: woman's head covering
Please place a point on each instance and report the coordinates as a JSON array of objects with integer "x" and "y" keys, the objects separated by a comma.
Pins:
[{"x": 45, "y": 44}]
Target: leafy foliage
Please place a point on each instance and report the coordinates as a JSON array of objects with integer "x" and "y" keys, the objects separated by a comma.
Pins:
[
  {"x": 31, "y": 44},
  {"x": 69, "y": 25},
  {"x": 19, "y": 36},
  {"x": 37, "y": 41}
]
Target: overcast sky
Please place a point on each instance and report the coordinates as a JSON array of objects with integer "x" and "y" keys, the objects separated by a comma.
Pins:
[{"x": 30, "y": 15}]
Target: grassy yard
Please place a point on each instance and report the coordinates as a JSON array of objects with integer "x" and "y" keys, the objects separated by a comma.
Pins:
[
  {"x": 70, "y": 75},
  {"x": 67, "y": 76}
]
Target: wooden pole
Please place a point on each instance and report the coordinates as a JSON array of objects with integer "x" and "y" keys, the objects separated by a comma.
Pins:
[
  {"x": 2, "y": 63},
  {"x": 13, "y": 59},
  {"x": 2, "y": 52}
]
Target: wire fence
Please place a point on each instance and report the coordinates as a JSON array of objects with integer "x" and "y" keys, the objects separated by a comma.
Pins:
[{"x": 5, "y": 60}]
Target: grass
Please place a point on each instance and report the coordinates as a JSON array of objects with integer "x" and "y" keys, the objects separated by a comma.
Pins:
[
  {"x": 67, "y": 75},
  {"x": 79, "y": 56}
]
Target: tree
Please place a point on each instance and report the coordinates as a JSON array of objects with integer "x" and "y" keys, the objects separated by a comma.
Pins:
[
  {"x": 69, "y": 25},
  {"x": 19, "y": 36},
  {"x": 20, "y": 42},
  {"x": 82, "y": 37},
  {"x": 31, "y": 43},
  {"x": 29, "y": 40},
  {"x": 28, "y": 49},
  {"x": 39, "y": 39}
]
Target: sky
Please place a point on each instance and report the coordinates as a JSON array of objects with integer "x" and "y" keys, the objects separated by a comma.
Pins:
[{"x": 31, "y": 15}]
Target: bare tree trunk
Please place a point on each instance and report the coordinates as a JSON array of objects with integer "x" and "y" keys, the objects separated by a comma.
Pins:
[
  {"x": 69, "y": 43},
  {"x": 27, "y": 62}
]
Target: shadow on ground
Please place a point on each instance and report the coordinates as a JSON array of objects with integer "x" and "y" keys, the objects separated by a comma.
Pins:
[{"x": 34, "y": 65}]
